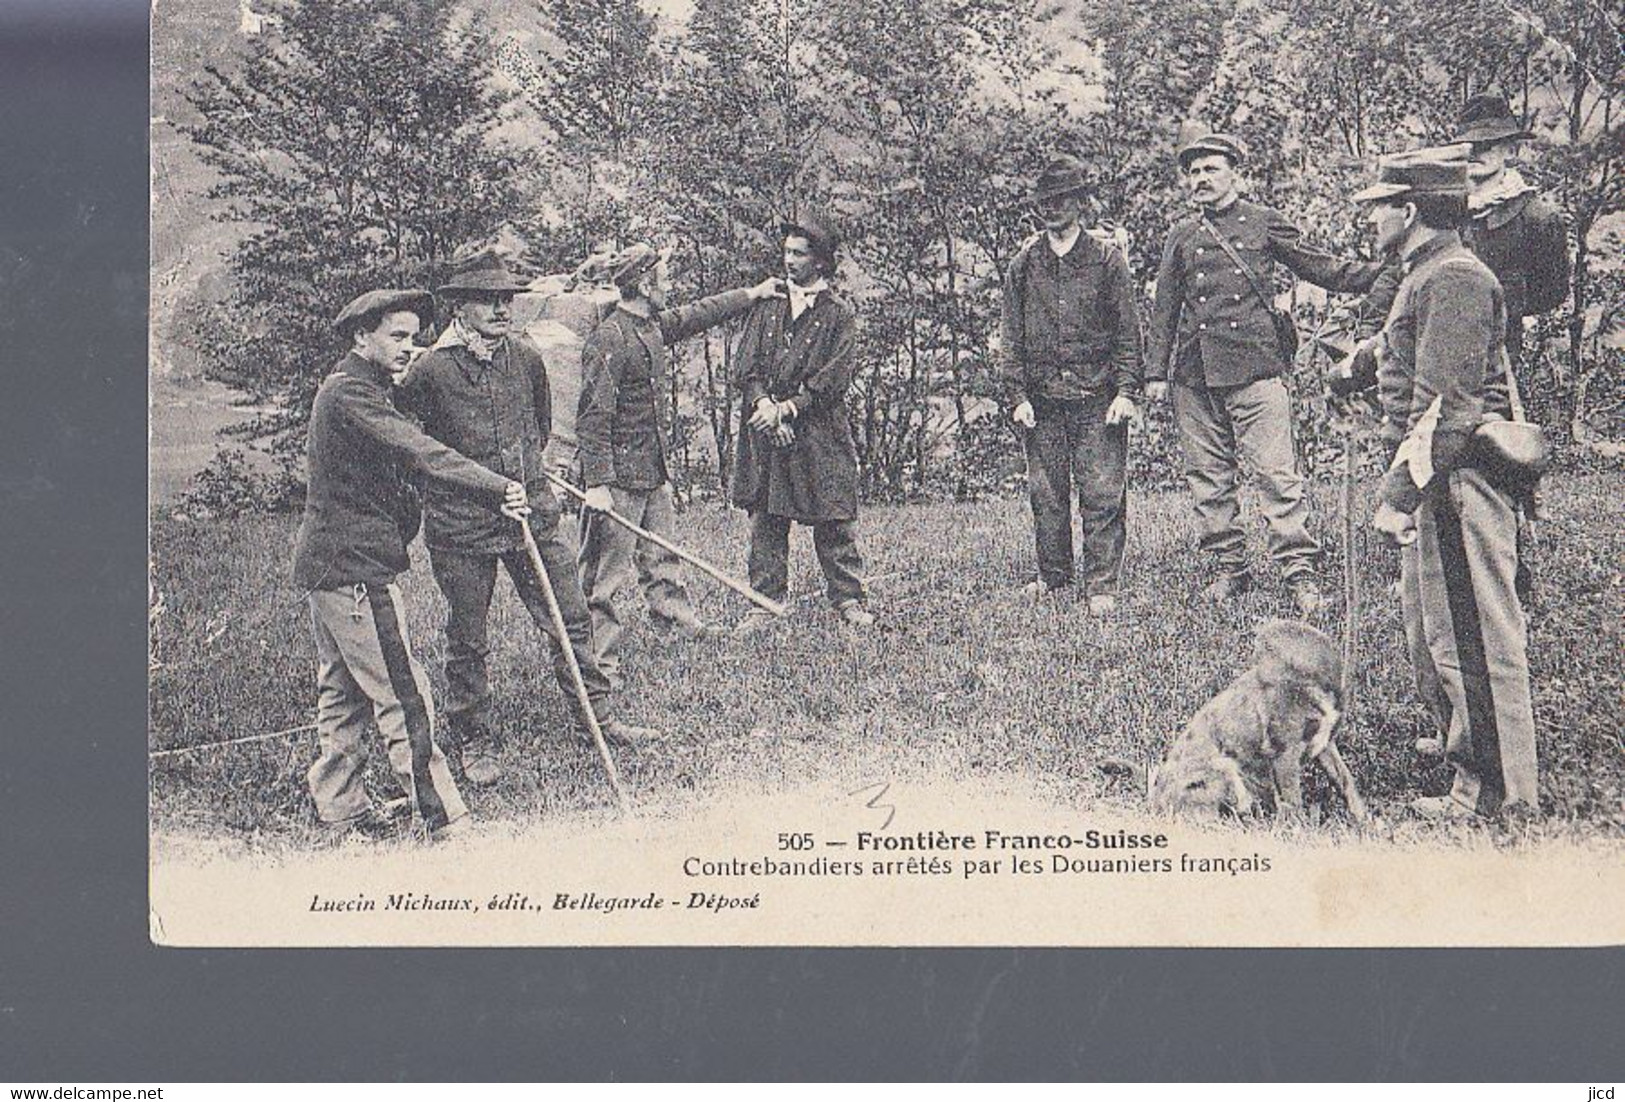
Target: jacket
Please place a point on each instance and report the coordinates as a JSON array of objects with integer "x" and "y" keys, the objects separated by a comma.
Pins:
[
  {"x": 1208, "y": 326},
  {"x": 360, "y": 511},
  {"x": 621, "y": 420},
  {"x": 500, "y": 415},
  {"x": 1069, "y": 327},
  {"x": 809, "y": 362},
  {"x": 1441, "y": 375}
]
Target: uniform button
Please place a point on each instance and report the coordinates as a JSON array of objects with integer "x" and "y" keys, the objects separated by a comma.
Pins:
[
  {"x": 1201, "y": 298},
  {"x": 1201, "y": 325},
  {"x": 1236, "y": 270},
  {"x": 1236, "y": 297},
  {"x": 1241, "y": 218},
  {"x": 1232, "y": 325},
  {"x": 1200, "y": 250}
]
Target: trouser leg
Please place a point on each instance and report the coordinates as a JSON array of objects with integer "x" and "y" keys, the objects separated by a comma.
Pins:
[
  {"x": 661, "y": 572},
  {"x": 1100, "y": 464},
  {"x": 1208, "y": 443},
  {"x": 1428, "y": 686},
  {"x": 1476, "y": 531},
  {"x": 466, "y": 581},
  {"x": 376, "y": 651},
  {"x": 605, "y": 560},
  {"x": 559, "y": 562},
  {"x": 1049, "y": 486},
  {"x": 1261, "y": 414},
  {"x": 836, "y": 542},
  {"x": 343, "y": 714},
  {"x": 770, "y": 555}
]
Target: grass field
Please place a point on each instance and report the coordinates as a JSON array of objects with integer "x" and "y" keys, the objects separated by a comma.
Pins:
[{"x": 960, "y": 678}]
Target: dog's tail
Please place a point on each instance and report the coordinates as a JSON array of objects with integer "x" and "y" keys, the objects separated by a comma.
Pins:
[{"x": 1120, "y": 771}]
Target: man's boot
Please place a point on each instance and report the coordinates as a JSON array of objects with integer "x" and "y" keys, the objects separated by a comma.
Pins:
[{"x": 479, "y": 753}]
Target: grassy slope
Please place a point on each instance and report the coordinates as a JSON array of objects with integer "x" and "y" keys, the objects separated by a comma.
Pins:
[{"x": 961, "y": 679}]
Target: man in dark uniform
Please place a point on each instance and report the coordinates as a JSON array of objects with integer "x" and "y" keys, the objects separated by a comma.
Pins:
[
  {"x": 483, "y": 391},
  {"x": 360, "y": 513},
  {"x": 1069, "y": 357},
  {"x": 1216, "y": 334},
  {"x": 621, "y": 433},
  {"x": 1441, "y": 376},
  {"x": 797, "y": 461}
]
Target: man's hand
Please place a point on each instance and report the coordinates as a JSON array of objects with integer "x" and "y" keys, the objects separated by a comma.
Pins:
[
  {"x": 784, "y": 435},
  {"x": 1397, "y": 527},
  {"x": 515, "y": 503},
  {"x": 765, "y": 416},
  {"x": 1024, "y": 416},
  {"x": 1156, "y": 390},
  {"x": 1122, "y": 409},
  {"x": 599, "y": 498},
  {"x": 772, "y": 287}
]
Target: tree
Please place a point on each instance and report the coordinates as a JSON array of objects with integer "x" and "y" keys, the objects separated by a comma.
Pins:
[{"x": 354, "y": 143}]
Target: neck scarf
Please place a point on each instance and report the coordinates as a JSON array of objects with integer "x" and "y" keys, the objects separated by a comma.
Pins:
[
  {"x": 1509, "y": 185},
  {"x": 803, "y": 297},
  {"x": 481, "y": 348}
]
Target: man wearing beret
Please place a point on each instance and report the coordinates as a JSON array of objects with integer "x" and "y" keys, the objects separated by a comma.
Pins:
[
  {"x": 622, "y": 433},
  {"x": 797, "y": 462},
  {"x": 1069, "y": 357},
  {"x": 483, "y": 390},
  {"x": 1449, "y": 507},
  {"x": 360, "y": 513},
  {"x": 1217, "y": 336}
]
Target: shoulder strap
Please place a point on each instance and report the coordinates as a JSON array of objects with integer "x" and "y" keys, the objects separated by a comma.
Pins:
[{"x": 1235, "y": 258}]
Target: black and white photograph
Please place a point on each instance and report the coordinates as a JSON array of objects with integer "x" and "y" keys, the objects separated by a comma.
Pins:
[{"x": 942, "y": 473}]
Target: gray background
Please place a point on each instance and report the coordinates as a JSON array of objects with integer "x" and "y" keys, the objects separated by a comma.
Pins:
[{"x": 84, "y": 997}]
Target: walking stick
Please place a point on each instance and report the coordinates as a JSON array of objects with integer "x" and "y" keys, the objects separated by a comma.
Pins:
[
  {"x": 693, "y": 560},
  {"x": 562, "y": 636},
  {"x": 1351, "y": 570}
]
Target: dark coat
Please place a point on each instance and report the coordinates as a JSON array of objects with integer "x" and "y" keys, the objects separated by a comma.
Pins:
[
  {"x": 1208, "y": 320},
  {"x": 1068, "y": 325},
  {"x": 360, "y": 511},
  {"x": 498, "y": 414},
  {"x": 809, "y": 362},
  {"x": 1525, "y": 242},
  {"x": 621, "y": 420}
]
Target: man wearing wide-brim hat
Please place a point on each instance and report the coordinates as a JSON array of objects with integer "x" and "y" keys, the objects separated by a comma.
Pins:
[
  {"x": 1069, "y": 359},
  {"x": 1218, "y": 338},
  {"x": 360, "y": 514},
  {"x": 1453, "y": 511},
  {"x": 483, "y": 390},
  {"x": 797, "y": 462},
  {"x": 622, "y": 433}
]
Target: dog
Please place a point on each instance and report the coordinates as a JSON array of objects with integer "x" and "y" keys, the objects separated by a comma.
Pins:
[{"x": 1244, "y": 751}]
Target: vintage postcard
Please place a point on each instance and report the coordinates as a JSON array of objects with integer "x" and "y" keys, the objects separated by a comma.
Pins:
[{"x": 732, "y": 472}]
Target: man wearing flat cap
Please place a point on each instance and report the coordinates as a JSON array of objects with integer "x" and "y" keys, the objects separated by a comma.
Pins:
[
  {"x": 483, "y": 390},
  {"x": 622, "y": 434},
  {"x": 360, "y": 514},
  {"x": 1217, "y": 336},
  {"x": 1069, "y": 359},
  {"x": 1444, "y": 500},
  {"x": 797, "y": 462}
]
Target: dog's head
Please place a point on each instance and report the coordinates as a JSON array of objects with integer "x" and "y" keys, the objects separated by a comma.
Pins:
[
  {"x": 1287, "y": 651},
  {"x": 1203, "y": 788}
]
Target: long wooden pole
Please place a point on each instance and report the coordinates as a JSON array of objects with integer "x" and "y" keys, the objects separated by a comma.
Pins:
[
  {"x": 693, "y": 560},
  {"x": 562, "y": 636}
]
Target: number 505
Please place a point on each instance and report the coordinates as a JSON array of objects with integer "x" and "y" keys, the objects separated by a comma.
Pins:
[{"x": 800, "y": 841}]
